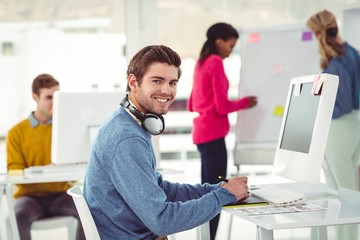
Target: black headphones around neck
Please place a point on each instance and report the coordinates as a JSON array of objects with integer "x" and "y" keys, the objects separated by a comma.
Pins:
[{"x": 152, "y": 123}]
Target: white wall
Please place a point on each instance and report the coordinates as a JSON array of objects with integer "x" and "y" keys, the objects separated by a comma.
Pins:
[
  {"x": 78, "y": 61},
  {"x": 351, "y": 25}
]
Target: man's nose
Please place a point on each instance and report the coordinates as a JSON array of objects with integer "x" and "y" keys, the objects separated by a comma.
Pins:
[{"x": 166, "y": 89}]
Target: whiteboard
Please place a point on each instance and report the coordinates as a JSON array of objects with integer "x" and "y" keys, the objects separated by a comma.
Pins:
[{"x": 270, "y": 57}]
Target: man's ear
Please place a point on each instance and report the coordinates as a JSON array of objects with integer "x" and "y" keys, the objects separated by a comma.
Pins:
[
  {"x": 132, "y": 82},
  {"x": 35, "y": 97}
]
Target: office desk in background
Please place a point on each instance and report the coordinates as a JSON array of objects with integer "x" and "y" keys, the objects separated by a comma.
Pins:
[
  {"x": 343, "y": 209},
  {"x": 77, "y": 174},
  {"x": 5, "y": 187}
]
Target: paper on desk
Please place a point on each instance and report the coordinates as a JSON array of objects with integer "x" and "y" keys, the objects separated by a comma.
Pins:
[
  {"x": 308, "y": 207},
  {"x": 15, "y": 172}
]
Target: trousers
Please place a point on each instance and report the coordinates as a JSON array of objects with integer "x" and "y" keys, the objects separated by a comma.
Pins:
[
  {"x": 343, "y": 155},
  {"x": 213, "y": 164},
  {"x": 29, "y": 209}
]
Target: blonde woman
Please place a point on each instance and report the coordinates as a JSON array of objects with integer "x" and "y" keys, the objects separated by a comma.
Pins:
[{"x": 343, "y": 146}]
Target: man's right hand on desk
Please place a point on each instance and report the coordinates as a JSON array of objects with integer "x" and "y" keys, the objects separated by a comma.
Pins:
[{"x": 237, "y": 186}]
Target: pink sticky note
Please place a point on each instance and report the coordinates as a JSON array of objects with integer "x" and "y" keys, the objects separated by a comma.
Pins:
[
  {"x": 319, "y": 85},
  {"x": 316, "y": 87},
  {"x": 254, "y": 37},
  {"x": 278, "y": 68},
  {"x": 316, "y": 80}
]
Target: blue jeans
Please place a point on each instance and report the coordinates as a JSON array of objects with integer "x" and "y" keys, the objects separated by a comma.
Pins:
[
  {"x": 29, "y": 209},
  {"x": 213, "y": 164}
]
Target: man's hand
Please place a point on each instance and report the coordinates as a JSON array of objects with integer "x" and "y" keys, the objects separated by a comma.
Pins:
[{"x": 237, "y": 186}]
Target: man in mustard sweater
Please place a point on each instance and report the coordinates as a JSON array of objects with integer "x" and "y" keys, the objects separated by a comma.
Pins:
[{"x": 29, "y": 144}]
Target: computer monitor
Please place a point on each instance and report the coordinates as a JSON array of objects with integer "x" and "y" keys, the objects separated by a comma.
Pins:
[
  {"x": 76, "y": 118},
  {"x": 300, "y": 151}
]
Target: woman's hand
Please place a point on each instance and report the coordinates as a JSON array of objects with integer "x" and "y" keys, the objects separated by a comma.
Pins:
[{"x": 252, "y": 101}]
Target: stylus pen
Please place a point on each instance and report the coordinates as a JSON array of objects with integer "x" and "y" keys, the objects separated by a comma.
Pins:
[{"x": 223, "y": 179}]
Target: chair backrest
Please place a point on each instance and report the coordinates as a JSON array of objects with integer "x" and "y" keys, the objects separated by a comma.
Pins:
[
  {"x": 87, "y": 221},
  {"x": 69, "y": 222},
  {"x": 50, "y": 223}
]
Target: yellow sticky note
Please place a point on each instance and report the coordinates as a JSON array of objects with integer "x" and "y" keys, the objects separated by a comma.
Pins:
[
  {"x": 278, "y": 111},
  {"x": 15, "y": 172}
]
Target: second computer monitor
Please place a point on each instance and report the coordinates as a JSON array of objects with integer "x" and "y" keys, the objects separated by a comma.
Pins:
[
  {"x": 302, "y": 141},
  {"x": 77, "y": 116}
]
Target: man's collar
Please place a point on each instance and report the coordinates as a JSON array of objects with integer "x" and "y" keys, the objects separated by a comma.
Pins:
[{"x": 34, "y": 122}]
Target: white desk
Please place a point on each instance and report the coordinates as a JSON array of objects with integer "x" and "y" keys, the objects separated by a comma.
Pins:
[
  {"x": 343, "y": 209},
  {"x": 6, "y": 181},
  {"x": 5, "y": 187}
]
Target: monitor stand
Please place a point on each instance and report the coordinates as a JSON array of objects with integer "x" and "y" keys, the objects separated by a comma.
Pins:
[
  {"x": 328, "y": 189},
  {"x": 318, "y": 190},
  {"x": 331, "y": 183}
]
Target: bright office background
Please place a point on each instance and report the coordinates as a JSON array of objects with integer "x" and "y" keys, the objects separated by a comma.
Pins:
[{"x": 83, "y": 44}]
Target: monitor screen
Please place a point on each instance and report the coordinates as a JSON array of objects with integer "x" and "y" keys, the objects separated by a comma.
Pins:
[
  {"x": 302, "y": 140},
  {"x": 76, "y": 118},
  {"x": 299, "y": 127}
]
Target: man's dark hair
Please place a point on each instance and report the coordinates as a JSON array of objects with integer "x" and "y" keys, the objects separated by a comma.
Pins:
[
  {"x": 43, "y": 81},
  {"x": 142, "y": 60}
]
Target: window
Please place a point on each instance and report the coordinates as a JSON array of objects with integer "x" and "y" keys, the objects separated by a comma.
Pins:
[{"x": 7, "y": 48}]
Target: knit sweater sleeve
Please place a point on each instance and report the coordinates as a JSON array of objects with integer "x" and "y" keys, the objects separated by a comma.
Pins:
[
  {"x": 26, "y": 147},
  {"x": 151, "y": 203},
  {"x": 15, "y": 160},
  {"x": 185, "y": 192}
]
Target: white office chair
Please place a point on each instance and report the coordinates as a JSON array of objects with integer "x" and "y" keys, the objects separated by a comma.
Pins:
[
  {"x": 70, "y": 223},
  {"x": 87, "y": 221},
  {"x": 91, "y": 232}
]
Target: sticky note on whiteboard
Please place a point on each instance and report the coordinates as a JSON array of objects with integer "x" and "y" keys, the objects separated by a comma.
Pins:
[
  {"x": 277, "y": 69},
  {"x": 278, "y": 111},
  {"x": 254, "y": 37},
  {"x": 307, "y": 36}
]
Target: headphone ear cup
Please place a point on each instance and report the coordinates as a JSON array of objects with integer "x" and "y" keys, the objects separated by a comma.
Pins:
[{"x": 153, "y": 124}]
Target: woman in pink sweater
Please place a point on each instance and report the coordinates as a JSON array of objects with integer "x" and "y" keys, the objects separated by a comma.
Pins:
[{"x": 209, "y": 97}]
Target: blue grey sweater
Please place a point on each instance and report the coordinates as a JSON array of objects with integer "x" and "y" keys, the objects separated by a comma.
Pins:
[
  {"x": 347, "y": 67},
  {"x": 127, "y": 196}
]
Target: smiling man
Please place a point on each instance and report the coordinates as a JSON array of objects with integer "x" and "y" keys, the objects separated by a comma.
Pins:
[{"x": 127, "y": 197}]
